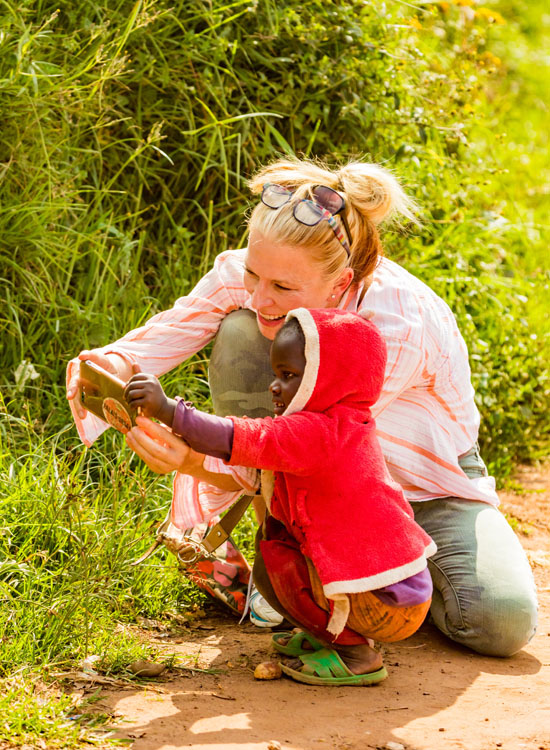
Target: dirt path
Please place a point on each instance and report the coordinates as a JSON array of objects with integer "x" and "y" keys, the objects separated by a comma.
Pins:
[{"x": 438, "y": 695}]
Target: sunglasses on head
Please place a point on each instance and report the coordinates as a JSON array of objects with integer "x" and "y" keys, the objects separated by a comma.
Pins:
[{"x": 327, "y": 204}]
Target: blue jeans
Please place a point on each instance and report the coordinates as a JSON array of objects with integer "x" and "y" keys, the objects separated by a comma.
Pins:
[{"x": 484, "y": 594}]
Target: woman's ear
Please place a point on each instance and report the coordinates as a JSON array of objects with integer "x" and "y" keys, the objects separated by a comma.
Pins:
[{"x": 342, "y": 283}]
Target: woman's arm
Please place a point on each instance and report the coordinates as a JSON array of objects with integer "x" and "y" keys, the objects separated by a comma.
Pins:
[{"x": 168, "y": 338}]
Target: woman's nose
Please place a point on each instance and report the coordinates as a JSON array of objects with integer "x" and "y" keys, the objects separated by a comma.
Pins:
[{"x": 260, "y": 297}]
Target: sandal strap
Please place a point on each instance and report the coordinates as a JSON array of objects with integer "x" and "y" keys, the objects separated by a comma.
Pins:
[
  {"x": 298, "y": 640},
  {"x": 294, "y": 645},
  {"x": 324, "y": 663}
]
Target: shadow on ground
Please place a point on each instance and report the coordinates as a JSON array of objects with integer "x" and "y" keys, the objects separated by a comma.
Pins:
[{"x": 437, "y": 695}]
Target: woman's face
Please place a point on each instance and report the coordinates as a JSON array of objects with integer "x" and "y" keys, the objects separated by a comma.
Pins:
[{"x": 280, "y": 278}]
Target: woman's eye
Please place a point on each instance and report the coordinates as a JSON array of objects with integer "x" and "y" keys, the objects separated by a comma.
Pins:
[
  {"x": 288, "y": 375},
  {"x": 283, "y": 288}
]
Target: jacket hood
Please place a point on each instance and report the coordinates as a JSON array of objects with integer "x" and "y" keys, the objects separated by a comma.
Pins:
[{"x": 345, "y": 361}]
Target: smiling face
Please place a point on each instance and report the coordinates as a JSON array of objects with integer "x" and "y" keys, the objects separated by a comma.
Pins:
[
  {"x": 281, "y": 277},
  {"x": 288, "y": 362}
]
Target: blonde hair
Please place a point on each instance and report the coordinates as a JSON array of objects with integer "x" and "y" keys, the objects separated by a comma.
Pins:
[{"x": 372, "y": 195}]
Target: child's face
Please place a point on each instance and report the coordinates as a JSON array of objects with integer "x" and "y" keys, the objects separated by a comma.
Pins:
[{"x": 288, "y": 363}]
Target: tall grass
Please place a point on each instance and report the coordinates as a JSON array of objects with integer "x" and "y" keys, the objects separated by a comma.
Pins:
[
  {"x": 129, "y": 130},
  {"x": 72, "y": 522}
]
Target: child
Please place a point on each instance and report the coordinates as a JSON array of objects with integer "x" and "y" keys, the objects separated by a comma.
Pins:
[{"x": 339, "y": 554}]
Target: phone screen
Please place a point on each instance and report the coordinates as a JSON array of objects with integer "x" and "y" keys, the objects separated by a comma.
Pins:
[{"x": 103, "y": 394}]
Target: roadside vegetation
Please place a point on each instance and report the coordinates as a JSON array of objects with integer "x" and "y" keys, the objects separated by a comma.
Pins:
[{"x": 128, "y": 132}]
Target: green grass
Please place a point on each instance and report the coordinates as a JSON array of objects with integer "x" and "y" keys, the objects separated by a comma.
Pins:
[
  {"x": 128, "y": 132},
  {"x": 520, "y": 116},
  {"x": 39, "y": 718},
  {"x": 73, "y": 520}
]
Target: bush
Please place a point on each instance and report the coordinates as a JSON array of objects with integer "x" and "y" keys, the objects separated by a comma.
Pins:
[{"x": 129, "y": 131}]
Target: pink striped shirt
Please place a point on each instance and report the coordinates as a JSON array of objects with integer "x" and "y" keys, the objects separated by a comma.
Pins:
[{"x": 426, "y": 416}]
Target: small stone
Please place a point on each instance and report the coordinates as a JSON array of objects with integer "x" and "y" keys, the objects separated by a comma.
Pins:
[
  {"x": 394, "y": 746},
  {"x": 144, "y": 668},
  {"x": 441, "y": 729},
  {"x": 90, "y": 663},
  {"x": 273, "y": 744},
  {"x": 268, "y": 670},
  {"x": 148, "y": 624}
]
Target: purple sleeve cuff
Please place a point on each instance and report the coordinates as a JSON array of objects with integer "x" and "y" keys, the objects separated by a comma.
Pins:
[
  {"x": 414, "y": 590},
  {"x": 204, "y": 432}
]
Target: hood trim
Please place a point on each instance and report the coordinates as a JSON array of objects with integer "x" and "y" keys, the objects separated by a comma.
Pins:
[
  {"x": 312, "y": 351},
  {"x": 378, "y": 581}
]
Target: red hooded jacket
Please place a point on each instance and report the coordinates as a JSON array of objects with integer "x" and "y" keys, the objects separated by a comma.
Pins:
[{"x": 332, "y": 489}]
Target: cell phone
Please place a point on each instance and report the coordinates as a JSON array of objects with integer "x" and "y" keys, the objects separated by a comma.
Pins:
[{"x": 102, "y": 393}]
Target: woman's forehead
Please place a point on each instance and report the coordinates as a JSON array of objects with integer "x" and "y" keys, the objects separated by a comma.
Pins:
[{"x": 280, "y": 262}]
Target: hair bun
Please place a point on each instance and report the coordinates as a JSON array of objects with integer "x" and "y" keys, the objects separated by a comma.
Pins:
[{"x": 374, "y": 191}]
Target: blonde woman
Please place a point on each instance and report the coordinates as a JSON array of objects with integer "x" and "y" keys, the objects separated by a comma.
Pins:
[{"x": 314, "y": 242}]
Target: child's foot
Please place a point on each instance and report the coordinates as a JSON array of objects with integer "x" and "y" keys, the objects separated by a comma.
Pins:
[{"x": 360, "y": 659}]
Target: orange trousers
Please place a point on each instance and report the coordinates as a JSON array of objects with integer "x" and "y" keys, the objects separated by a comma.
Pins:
[{"x": 289, "y": 582}]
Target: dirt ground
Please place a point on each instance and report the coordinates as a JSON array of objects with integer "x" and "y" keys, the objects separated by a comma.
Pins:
[{"x": 438, "y": 694}]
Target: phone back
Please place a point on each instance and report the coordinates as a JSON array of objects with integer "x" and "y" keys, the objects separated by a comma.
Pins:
[{"x": 103, "y": 394}]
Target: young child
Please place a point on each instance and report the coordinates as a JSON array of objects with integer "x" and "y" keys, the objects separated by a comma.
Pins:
[{"x": 339, "y": 554}]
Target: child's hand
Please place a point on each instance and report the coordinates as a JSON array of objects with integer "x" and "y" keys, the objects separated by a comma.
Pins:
[{"x": 145, "y": 391}]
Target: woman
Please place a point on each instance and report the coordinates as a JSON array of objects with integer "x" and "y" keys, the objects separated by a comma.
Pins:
[{"x": 314, "y": 243}]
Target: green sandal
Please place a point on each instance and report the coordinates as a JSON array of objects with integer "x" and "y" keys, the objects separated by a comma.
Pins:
[
  {"x": 325, "y": 667},
  {"x": 295, "y": 643}
]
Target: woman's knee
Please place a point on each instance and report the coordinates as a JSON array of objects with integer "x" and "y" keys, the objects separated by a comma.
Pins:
[
  {"x": 238, "y": 328},
  {"x": 497, "y": 624},
  {"x": 239, "y": 373},
  {"x": 484, "y": 593},
  {"x": 510, "y": 626}
]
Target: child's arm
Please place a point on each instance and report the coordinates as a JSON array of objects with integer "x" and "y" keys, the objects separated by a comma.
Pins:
[
  {"x": 205, "y": 433},
  {"x": 300, "y": 443}
]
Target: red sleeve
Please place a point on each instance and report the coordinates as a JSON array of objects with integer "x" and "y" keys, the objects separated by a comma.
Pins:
[{"x": 298, "y": 444}]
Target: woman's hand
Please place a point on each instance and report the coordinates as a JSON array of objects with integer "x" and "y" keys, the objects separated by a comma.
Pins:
[
  {"x": 110, "y": 362},
  {"x": 162, "y": 451}
]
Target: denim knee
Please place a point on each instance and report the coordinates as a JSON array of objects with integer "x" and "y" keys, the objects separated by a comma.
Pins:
[
  {"x": 239, "y": 373},
  {"x": 499, "y": 625},
  {"x": 509, "y": 626},
  {"x": 484, "y": 592}
]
